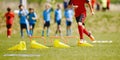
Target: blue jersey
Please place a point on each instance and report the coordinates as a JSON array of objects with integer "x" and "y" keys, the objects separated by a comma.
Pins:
[
  {"x": 23, "y": 16},
  {"x": 69, "y": 14},
  {"x": 58, "y": 14},
  {"x": 46, "y": 15},
  {"x": 31, "y": 16}
]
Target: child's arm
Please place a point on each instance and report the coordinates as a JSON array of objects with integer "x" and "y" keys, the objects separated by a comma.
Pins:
[
  {"x": 91, "y": 9},
  {"x": 35, "y": 18}
]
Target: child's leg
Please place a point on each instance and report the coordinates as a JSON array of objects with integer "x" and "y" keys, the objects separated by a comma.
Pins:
[
  {"x": 28, "y": 31},
  {"x": 21, "y": 31},
  {"x": 43, "y": 31},
  {"x": 31, "y": 29},
  {"x": 9, "y": 30},
  {"x": 67, "y": 31},
  {"x": 80, "y": 29},
  {"x": 48, "y": 31},
  {"x": 70, "y": 30},
  {"x": 59, "y": 29},
  {"x": 80, "y": 21},
  {"x": 85, "y": 31}
]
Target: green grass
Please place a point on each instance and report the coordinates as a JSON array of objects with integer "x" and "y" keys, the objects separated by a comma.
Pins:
[
  {"x": 104, "y": 26},
  {"x": 98, "y": 52}
]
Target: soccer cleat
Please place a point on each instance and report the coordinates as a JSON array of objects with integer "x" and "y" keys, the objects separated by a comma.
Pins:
[
  {"x": 82, "y": 41},
  {"x": 92, "y": 38}
]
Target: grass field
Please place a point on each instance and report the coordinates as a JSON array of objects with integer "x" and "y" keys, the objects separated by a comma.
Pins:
[
  {"x": 104, "y": 26},
  {"x": 98, "y": 52}
]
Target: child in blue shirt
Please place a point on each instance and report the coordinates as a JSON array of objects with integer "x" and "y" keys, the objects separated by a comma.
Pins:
[
  {"x": 69, "y": 17},
  {"x": 58, "y": 17},
  {"x": 23, "y": 20},
  {"x": 32, "y": 19},
  {"x": 46, "y": 17}
]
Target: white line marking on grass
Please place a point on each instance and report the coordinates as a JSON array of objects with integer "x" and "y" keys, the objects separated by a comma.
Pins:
[
  {"x": 102, "y": 41},
  {"x": 22, "y": 55}
]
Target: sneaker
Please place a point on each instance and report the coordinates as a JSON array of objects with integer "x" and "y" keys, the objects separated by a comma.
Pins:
[
  {"x": 92, "y": 38},
  {"x": 9, "y": 36},
  {"x": 82, "y": 41}
]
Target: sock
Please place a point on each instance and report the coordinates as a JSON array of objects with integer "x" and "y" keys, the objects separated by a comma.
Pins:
[
  {"x": 21, "y": 33},
  {"x": 80, "y": 29},
  {"x": 8, "y": 32},
  {"x": 31, "y": 32},
  {"x": 67, "y": 33},
  {"x": 86, "y": 32},
  {"x": 47, "y": 32},
  {"x": 43, "y": 33},
  {"x": 70, "y": 32},
  {"x": 28, "y": 32}
]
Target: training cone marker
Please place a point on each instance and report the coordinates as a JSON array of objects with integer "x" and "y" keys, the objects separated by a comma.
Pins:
[
  {"x": 59, "y": 44},
  {"x": 85, "y": 44},
  {"x": 36, "y": 45},
  {"x": 20, "y": 46}
]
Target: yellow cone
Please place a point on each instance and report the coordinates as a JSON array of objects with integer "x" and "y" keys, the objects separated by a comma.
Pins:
[
  {"x": 85, "y": 45},
  {"x": 59, "y": 44},
  {"x": 36, "y": 45},
  {"x": 20, "y": 46}
]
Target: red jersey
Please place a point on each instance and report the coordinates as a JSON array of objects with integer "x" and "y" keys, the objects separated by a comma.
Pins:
[
  {"x": 93, "y": 2},
  {"x": 9, "y": 17},
  {"x": 81, "y": 6}
]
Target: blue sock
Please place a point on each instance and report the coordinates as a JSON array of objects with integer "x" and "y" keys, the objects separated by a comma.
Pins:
[
  {"x": 31, "y": 32},
  {"x": 43, "y": 33},
  {"x": 28, "y": 32},
  {"x": 47, "y": 32},
  {"x": 21, "y": 33},
  {"x": 67, "y": 33},
  {"x": 70, "y": 31}
]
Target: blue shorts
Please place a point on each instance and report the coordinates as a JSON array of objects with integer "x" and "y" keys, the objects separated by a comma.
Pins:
[
  {"x": 68, "y": 23},
  {"x": 32, "y": 25},
  {"x": 47, "y": 24},
  {"x": 23, "y": 26},
  {"x": 58, "y": 22}
]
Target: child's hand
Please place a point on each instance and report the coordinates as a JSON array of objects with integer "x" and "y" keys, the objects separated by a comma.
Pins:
[
  {"x": 34, "y": 18},
  {"x": 75, "y": 6}
]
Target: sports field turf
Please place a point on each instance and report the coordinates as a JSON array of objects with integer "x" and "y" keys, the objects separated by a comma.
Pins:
[
  {"x": 104, "y": 26},
  {"x": 109, "y": 51}
]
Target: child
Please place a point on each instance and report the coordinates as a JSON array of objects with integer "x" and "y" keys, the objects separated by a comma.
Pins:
[
  {"x": 58, "y": 17},
  {"x": 65, "y": 4},
  {"x": 80, "y": 14},
  {"x": 108, "y": 4},
  {"x": 32, "y": 19},
  {"x": 93, "y": 3},
  {"x": 69, "y": 17},
  {"x": 46, "y": 17},
  {"x": 104, "y": 4},
  {"x": 23, "y": 20},
  {"x": 9, "y": 21}
]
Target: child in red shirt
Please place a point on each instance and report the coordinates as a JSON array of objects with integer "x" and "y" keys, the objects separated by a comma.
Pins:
[
  {"x": 93, "y": 3},
  {"x": 9, "y": 21},
  {"x": 108, "y": 4},
  {"x": 80, "y": 14}
]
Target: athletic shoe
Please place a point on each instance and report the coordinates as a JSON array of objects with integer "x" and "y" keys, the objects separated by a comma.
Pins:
[{"x": 92, "y": 38}]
